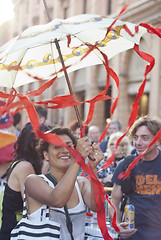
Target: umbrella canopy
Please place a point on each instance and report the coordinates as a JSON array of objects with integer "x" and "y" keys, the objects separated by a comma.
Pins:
[{"x": 34, "y": 50}]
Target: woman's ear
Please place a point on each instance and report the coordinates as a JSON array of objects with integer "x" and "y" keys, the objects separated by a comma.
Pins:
[{"x": 45, "y": 153}]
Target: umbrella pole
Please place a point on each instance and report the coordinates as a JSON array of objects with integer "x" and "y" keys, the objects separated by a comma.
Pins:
[
  {"x": 68, "y": 82},
  {"x": 70, "y": 88},
  {"x": 47, "y": 10},
  {"x": 65, "y": 72}
]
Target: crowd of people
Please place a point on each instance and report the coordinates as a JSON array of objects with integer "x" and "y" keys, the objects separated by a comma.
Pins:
[{"x": 30, "y": 159}]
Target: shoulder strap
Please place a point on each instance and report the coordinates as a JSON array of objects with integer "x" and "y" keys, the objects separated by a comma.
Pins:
[
  {"x": 128, "y": 184},
  {"x": 24, "y": 215},
  {"x": 10, "y": 169},
  {"x": 68, "y": 220},
  {"x": 128, "y": 160},
  {"x": 51, "y": 178}
]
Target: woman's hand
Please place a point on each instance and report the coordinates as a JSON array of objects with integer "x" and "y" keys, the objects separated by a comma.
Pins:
[
  {"x": 84, "y": 146},
  {"x": 96, "y": 154}
]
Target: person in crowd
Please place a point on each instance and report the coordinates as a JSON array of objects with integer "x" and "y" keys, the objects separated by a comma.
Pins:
[
  {"x": 71, "y": 190},
  {"x": 42, "y": 113},
  {"x": 74, "y": 126},
  {"x": 94, "y": 134},
  {"x": 26, "y": 161},
  {"x": 115, "y": 126},
  {"x": 16, "y": 122},
  {"x": 145, "y": 179},
  {"x": 122, "y": 151},
  {"x": 7, "y": 139}
]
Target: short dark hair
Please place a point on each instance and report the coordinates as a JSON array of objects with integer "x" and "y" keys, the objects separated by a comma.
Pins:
[
  {"x": 116, "y": 123},
  {"x": 74, "y": 125},
  {"x": 152, "y": 123},
  {"x": 43, "y": 145},
  {"x": 16, "y": 118},
  {"x": 41, "y": 111}
]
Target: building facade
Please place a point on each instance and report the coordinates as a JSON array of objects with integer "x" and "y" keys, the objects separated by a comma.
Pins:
[{"x": 88, "y": 82}]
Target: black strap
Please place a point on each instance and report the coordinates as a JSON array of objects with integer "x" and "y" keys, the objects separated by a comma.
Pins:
[
  {"x": 68, "y": 220},
  {"x": 128, "y": 160},
  {"x": 10, "y": 169},
  {"x": 4, "y": 175},
  {"x": 128, "y": 184},
  {"x": 122, "y": 207}
]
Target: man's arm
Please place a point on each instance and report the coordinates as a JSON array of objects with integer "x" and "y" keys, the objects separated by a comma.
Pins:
[
  {"x": 116, "y": 200},
  {"x": 116, "y": 197}
]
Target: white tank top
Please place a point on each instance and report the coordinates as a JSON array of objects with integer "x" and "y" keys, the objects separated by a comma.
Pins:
[{"x": 77, "y": 216}]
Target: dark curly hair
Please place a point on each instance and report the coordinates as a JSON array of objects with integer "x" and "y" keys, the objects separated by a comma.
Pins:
[
  {"x": 25, "y": 147},
  {"x": 43, "y": 146}
]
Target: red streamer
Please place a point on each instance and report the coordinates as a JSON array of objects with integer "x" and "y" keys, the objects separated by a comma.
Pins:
[{"x": 69, "y": 101}]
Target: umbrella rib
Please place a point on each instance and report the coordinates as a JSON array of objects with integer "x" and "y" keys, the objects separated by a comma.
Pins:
[
  {"x": 87, "y": 46},
  {"x": 23, "y": 57},
  {"x": 53, "y": 58},
  {"x": 95, "y": 52},
  {"x": 19, "y": 66}
]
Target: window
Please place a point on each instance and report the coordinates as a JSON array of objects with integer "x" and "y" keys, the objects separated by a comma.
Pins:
[
  {"x": 35, "y": 20},
  {"x": 108, "y": 104},
  {"x": 109, "y": 6},
  {"x": 144, "y": 103},
  {"x": 84, "y": 6}
]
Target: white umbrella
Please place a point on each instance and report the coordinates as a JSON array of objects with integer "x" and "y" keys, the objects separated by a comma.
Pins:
[{"x": 34, "y": 50}]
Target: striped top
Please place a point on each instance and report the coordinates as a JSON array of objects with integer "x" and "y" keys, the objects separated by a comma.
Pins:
[{"x": 77, "y": 215}]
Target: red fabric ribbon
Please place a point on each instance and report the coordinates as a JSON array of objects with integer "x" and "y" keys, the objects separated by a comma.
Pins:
[{"x": 69, "y": 101}]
